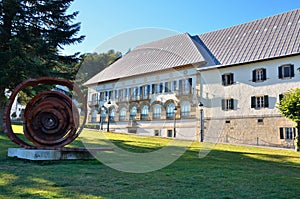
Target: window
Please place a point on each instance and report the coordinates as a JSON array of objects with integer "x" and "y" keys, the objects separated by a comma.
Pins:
[
  {"x": 112, "y": 114},
  {"x": 145, "y": 113},
  {"x": 260, "y": 121},
  {"x": 153, "y": 88},
  {"x": 188, "y": 86},
  {"x": 94, "y": 98},
  {"x": 286, "y": 71},
  {"x": 227, "y": 104},
  {"x": 227, "y": 79},
  {"x": 135, "y": 93},
  {"x": 146, "y": 91},
  {"x": 161, "y": 87},
  {"x": 259, "y": 75},
  {"x": 122, "y": 114},
  {"x": 157, "y": 111},
  {"x": 170, "y": 133},
  {"x": 260, "y": 102},
  {"x": 141, "y": 93},
  {"x": 170, "y": 111},
  {"x": 109, "y": 95},
  {"x": 167, "y": 87},
  {"x": 116, "y": 94},
  {"x": 174, "y": 86},
  {"x": 156, "y": 132},
  {"x": 185, "y": 109},
  {"x": 133, "y": 112},
  {"x": 185, "y": 86},
  {"x": 101, "y": 96},
  {"x": 287, "y": 133}
]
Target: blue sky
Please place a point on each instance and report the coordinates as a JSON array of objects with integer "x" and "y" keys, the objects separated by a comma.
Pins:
[{"x": 103, "y": 20}]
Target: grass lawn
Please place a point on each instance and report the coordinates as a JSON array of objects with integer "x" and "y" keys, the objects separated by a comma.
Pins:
[{"x": 226, "y": 172}]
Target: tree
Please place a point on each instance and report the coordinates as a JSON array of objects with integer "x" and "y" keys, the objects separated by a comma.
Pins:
[
  {"x": 289, "y": 107},
  {"x": 32, "y": 36},
  {"x": 93, "y": 63}
]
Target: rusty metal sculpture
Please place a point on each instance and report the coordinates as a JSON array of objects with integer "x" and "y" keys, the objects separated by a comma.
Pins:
[{"x": 51, "y": 119}]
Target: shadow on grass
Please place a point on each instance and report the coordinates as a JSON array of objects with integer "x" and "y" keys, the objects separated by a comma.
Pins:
[{"x": 226, "y": 172}]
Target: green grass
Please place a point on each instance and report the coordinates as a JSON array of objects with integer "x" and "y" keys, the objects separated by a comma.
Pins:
[{"x": 226, "y": 172}]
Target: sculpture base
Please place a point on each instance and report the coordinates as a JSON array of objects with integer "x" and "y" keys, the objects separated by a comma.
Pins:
[{"x": 54, "y": 154}]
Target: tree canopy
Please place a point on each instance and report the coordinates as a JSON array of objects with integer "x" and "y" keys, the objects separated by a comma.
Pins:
[
  {"x": 289, "y": 106},
  {"x": 33, "y": 34},
  {"x": 92, "y": 63}
]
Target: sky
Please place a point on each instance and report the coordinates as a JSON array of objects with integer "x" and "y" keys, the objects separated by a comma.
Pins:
[{"x": 123, "y": 24}]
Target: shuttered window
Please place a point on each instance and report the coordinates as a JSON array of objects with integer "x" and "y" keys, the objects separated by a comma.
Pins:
[
  {"x": 227, "y": 104},
  {"x": 260, "y": 101},
  {"x": 227, "y": 79},
  {"x": 259, "y": 75},
  {"x": 286, "y": 71}
]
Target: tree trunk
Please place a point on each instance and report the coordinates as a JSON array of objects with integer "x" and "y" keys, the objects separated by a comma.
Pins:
[
  {"x": 2, "y": 107},
  {"x": 297, "y": 138}
]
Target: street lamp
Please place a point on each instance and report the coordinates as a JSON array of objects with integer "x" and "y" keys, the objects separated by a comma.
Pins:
[
  {"x": 175, "y": 110},
  {"x": 108, "y": 118},
  {"x": 108, "y": 114},
  {"x": 101, "y": 117},
  {"x": 201, "y": 121}
]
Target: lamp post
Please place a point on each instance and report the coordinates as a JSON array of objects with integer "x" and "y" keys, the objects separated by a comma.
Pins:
[
  {"x": 108, "y": 115},
  {"x": 101, "y": 117},
  {"x": 201, "y": 121},
  {"x": 175, "y": 110}
]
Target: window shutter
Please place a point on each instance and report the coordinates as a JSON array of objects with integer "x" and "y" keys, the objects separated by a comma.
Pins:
[
  {"x": 223, "y": 80},
  {"x": 231, "y": 78},
  {"x": 161, "y": 86},
  {"x": 231, "y": 104},
  {"x": 292, "y": 70},
  {"x": 253, "y": 100},
  {"x": 166, "y": 87},
  {"x": 294, "y": 132},
  {"x": 254, "y": 75},
  {"x": 153, "y": 89},
  {"x": 280, "y": 72},
  {"x": 141, "y": 92},
  {"x": 148, "y": 90},
  {"x": 190, "y": 84},
  {"x": 175, "y": 85},
  {"x": 266, "y": 101},
  {"x": 223, "y": 104},
  {"x": 129, "y": 93},
  {"x": 180, "y": 86},
  {"x": 264, "y": 74},
  {"x": 281, "y": 134},
  {"x": 280, "y": 97}
]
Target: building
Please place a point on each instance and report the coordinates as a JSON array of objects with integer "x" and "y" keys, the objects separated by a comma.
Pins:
[{"x": 237, "y": 75}]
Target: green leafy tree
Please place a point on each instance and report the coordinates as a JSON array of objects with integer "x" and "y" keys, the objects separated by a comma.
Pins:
[
  {"x": 289, "y": 107},
  {"x": 32, "y": 36},
  {"x": 93, "y": 63}
]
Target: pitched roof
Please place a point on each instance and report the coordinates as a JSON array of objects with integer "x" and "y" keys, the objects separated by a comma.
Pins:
[
  {"x": 266, "y": 38},
  {"x": 178, "y": 50}
]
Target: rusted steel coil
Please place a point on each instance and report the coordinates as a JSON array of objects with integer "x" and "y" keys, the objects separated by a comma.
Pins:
[{"x": 51, "y": 119}]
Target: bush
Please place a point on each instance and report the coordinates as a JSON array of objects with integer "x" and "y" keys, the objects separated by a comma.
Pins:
[{"x": 92, "y": 126}]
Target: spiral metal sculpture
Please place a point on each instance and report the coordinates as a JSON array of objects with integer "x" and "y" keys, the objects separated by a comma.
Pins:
[{"x": 51, "y": 119}]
